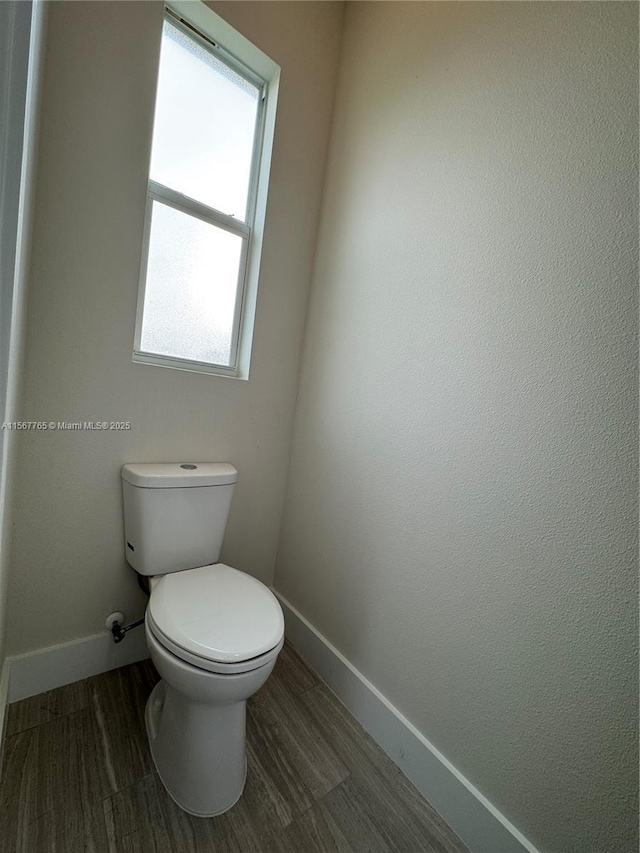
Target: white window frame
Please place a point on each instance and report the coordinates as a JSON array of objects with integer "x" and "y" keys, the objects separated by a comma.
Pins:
[{"x": 213, "y": 33}]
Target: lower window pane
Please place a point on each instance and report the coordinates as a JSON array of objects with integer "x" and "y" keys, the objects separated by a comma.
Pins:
[{"x": 191, "y": 288}]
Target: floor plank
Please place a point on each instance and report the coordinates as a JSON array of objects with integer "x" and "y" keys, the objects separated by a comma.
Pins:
[
  {"x": 71, "y": 768},
  {"x": 47, "y": 706},
  {"x": 351, "y": 813},
  {"x": 291, "y": 670},
  {"x": 273, "y": 789},
  {"x": 282, "y": 719},
  {"x": 18, "y": 789},
  {"x": 316, "y": 829},
  {"x": 57, "y": 803},
  {"x": 400, "y": 812},
  {"x": 117, "y": 701},
  {"x": 57, "y": 832},
  {"x": 144, "y": 811},
  {"x": 144, "y": 818}
]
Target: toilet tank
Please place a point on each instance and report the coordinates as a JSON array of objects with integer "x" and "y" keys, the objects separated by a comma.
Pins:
[{"x": 175, "y": 514}]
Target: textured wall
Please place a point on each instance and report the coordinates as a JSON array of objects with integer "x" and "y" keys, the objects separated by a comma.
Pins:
[
  {"x": 460, "y": 514},
  {"x": 15, "y": 27},
  {"x": 68, "y": 570}
]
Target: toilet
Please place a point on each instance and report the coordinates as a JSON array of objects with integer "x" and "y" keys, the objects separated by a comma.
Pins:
[{"x": 213, "y": 632}]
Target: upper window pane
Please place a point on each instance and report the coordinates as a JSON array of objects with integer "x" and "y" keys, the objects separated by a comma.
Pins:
[{"x": 204, "y": 127}]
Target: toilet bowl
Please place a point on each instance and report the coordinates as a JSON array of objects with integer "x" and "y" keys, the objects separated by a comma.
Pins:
[
  {"x": 213, "y": 632},
  {"x": 195, "y": 722}
]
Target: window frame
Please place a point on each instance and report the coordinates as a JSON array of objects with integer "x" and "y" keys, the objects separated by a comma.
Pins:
[{"x": 211, "y": 32}]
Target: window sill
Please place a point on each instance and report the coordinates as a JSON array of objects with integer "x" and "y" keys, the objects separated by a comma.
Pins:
[{"x": 187, "y": 365}]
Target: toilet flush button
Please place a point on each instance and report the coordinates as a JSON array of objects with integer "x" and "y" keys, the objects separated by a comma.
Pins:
[{"x": 189, "y": 467}]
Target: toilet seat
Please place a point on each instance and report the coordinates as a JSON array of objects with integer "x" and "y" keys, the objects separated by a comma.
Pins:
[
  {"x": 210, "y": 665},
  {"x": 216, "y": 618}
]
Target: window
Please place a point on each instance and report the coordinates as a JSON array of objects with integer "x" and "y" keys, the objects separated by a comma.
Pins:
[{"x": 212, "y": 136}]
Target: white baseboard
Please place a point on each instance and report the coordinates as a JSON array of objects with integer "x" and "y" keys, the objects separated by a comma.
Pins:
[
  {"x": 477, "y": 822},
  {"x": 4, "y": 706},
  {"x": 45, "y": 669}
]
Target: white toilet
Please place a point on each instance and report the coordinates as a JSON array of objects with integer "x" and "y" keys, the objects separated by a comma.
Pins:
[{"x": 214, "y": 632}]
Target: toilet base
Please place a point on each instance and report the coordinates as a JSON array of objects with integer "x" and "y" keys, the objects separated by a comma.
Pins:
[
  {"x": 198, "y": 750},
  {"x": 195, "y": 721}
]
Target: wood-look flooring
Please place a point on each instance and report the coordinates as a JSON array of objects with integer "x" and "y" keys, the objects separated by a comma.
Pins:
[{"x": 78, "y": 778}]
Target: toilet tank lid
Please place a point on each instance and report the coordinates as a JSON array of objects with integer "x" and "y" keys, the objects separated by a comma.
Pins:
[{"x": 179, "y": 475}]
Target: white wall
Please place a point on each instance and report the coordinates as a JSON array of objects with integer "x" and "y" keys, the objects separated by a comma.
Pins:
[
  {"x": 14, "y": 52},
  {"x": 68, "y": 570},
  {"x": 21, "y": 26},
  {"x": 460, "y": 518}
]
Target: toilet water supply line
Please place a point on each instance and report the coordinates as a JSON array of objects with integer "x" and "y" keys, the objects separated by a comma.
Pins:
[{"x": 117, "y": 630}]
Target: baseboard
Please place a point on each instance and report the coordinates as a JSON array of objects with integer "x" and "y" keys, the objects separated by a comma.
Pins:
[
  {"x": 4, "y": 706},
  {"x": 478, "y": 823},
  {"x": 45, "y": 669}
]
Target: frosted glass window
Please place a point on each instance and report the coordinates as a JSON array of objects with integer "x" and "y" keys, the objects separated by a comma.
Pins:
[
  {"x": 191, "y": 287},
  {"x": 206, "y": 198},
  {"x": 205, "y": 125}
]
